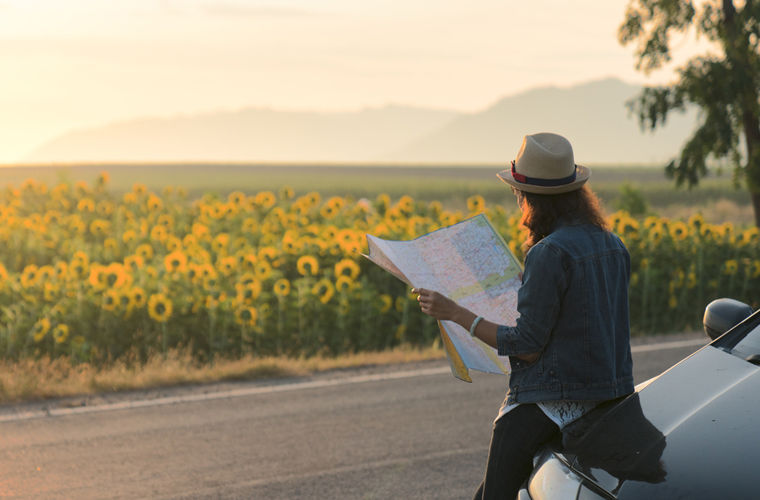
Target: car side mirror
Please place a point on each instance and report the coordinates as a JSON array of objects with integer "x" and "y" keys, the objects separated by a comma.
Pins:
[{"x": 723, "y": 314}]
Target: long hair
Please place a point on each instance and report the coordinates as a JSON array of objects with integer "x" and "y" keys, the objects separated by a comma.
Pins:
[{"x": 540, "y": 212}]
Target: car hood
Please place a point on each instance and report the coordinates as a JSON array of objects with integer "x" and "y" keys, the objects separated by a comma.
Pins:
[{"x": 693, "y": 432}]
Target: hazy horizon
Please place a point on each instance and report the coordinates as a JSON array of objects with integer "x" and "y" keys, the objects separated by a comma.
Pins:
[{"x": 87, "y": 63}]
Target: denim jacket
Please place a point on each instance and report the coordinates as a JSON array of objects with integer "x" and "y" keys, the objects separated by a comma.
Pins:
[{"x": 573, "y": 306}]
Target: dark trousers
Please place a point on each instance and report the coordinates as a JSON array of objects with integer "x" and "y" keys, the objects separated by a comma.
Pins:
[{"x": 516, "y": 437}]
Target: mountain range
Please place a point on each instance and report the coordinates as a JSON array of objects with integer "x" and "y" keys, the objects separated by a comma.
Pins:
[{"x": 592, "y": 115}]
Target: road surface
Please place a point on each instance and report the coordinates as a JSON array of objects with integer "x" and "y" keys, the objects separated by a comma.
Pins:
[{"x": 410, "y": 431}]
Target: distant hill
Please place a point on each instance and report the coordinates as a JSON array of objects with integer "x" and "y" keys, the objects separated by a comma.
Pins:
[
  {"x": 248, "y": 135},
  {"x": 592, "y": 115}
]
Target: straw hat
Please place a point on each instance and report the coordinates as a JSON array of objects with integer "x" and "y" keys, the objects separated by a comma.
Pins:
[{"x": 545, "y": 165}]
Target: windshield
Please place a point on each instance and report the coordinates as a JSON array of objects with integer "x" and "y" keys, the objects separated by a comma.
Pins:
[
  {"x": 749, "y": 346},
  {"x": 744, "y": 341}
]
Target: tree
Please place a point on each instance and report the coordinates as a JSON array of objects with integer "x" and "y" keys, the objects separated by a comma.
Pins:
[{"x": 724, "y": 86}]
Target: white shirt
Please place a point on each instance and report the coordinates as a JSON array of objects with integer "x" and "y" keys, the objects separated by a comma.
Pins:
[{"x": 561, "y": 412}]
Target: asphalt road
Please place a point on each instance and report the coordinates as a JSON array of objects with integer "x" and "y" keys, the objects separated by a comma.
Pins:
[{"x": 409, "y": 431}]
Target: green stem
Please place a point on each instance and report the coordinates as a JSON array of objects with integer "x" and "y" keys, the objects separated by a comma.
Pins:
[{"x": 164, "y": 339}]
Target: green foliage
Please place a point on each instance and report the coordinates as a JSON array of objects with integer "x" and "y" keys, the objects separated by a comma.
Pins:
[
  {"x": 725, "y": 86},
  {"x": 631, "y": 200}
]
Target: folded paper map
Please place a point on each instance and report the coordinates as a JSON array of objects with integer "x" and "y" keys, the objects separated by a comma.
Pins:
[{"x": 471, "y": 264}]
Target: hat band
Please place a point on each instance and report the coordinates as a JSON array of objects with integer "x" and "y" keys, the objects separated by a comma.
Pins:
[{"x": 524, "y": 179}]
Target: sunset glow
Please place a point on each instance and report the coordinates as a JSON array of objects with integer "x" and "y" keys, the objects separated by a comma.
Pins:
[{"x": 68, "y": 65}]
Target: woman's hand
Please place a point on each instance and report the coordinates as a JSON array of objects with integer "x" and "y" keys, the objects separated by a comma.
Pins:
[{"x": 436, "y": 305}]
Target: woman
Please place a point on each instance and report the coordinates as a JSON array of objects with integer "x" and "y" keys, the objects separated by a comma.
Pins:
[{"x": 569, "y": 349}]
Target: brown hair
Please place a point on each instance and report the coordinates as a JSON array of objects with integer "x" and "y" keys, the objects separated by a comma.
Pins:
[{"x": 540, "y": 212}]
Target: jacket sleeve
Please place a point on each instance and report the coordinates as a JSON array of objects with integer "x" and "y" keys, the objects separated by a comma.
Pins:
[{"x": 538, "y": 301}]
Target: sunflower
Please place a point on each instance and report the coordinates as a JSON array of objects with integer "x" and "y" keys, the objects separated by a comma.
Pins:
[
  {"x": 110, "y": 300},
  {"x": 265, "y": 199},
  {"x": 45, "y": 274},
  {"x": 60, "y": 333},
  {"x": 158, "y": 233},
  {"x": 400, "y": 332},
  {"x": 673, "y": 302},
  {"x": 327, "y": 211},
  {"x": 406, "y": 204},
  {"x": 347, "y": 267},
  {"x": 324, "y": 289},
  {"x": 81, "y": 188},
  {"x": 134, "y": 262},
  {"x": 200, "y": 231},
  {"x": 220, "y": 242},
  {"x": 172, "y": 243},
  {"x": 137, "y": 296},
  {"x": 102, "y": 179},
  {"x": 116, "y": 275},
  {"x": 250, "y": 225},
  {"x": 249, "y": 291},
  {"x": 249, "y": 261},
  {"x": 246, "y": 316},
  {"x": 751, "y": 235},
  {"x": 145, "y": 251},
  {"x": 129, "y": 198},
  {"x": 111, "y": 245},
  {"x": 86, "y": 205},
  {"x": 476, "y": 203},
  {"x": 344, "y": 284},
  {"x": 730, "y": 267},
  {"x": 154, "y": 203},
  {"x": 282, "y": 287},
  {"x": 707, "y": 231},
  {"x": 50, "y": 291},
  {"x": 246, "y": 278},
  {"x": 215, "y": 298},
  {"x": 307, "y": 265},
  {"x": 289, "y": 244},
  {"x": 386, "y": 303},
  {"x": 262, "y": 270},
  {"x": 268, "y": 252},
  {"x": 100, "y": 227},
  {"x": 679, "y": 231},
  {"x": 79, "y": 269},
  {"x": 175, "y": 262},
  {"x": 236, "y": 198},
  {"x": 399, "y": 303},
  {"x": 159, "y": 307},
  {"x": 189, "y": 241},
  {"x": 125, "y": 302},
  {"x": 226, "y": 265},
  {"x": 29, "y": 276},
  {"x": 40, "y": 329},
  {"x": 104, "y": 208}
]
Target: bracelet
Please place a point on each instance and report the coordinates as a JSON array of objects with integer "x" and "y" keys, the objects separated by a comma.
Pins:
[{"x": 474, "y": 325}]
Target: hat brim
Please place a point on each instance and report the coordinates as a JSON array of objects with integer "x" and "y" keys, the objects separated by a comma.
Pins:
[{"x": 582, "y": 174}]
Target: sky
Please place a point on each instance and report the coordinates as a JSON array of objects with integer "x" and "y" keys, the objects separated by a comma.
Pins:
[{"x": 70, "y": 64}]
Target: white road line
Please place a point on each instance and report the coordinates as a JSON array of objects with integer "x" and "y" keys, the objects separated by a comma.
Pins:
[
  {"x": 669, "y": 345},
  {"x": 269, "y": 389},
  {"x": 236, "y": 393}
]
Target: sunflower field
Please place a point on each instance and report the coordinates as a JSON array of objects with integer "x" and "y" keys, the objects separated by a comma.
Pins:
[{"x": 98, "y": 276}]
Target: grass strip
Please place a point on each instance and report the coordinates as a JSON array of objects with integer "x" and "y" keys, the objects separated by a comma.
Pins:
[{"x": 27, "y": 380}]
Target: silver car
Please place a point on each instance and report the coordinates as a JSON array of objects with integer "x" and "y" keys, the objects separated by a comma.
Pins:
[{"x": 692, "y": 432}]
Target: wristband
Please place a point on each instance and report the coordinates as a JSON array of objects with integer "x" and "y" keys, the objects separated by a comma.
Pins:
[{"x": 474, "y": 325}]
